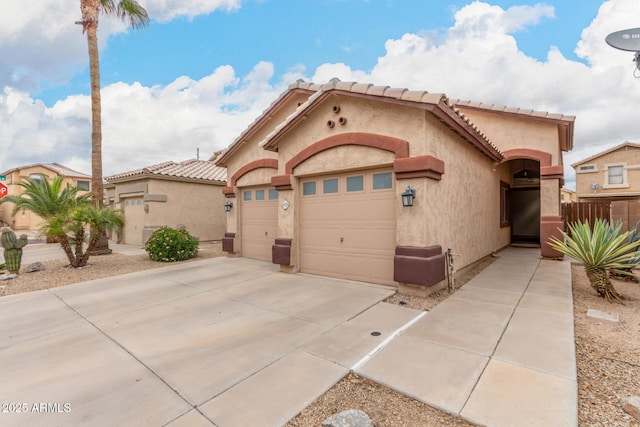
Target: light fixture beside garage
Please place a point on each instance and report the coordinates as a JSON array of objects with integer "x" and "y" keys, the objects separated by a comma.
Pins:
[
  {"x": 228, "y": 206},
  {"x": 408, "y": 196}
]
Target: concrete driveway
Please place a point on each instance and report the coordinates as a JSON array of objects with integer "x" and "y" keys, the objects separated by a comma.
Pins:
[{"x": 228, "y": 341}]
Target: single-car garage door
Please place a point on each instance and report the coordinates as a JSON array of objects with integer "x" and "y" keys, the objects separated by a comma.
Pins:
[
  {"x": 134, "y": 218},
  {"x": 259, "y": 221},
  {"x": 348, "y": 226}
]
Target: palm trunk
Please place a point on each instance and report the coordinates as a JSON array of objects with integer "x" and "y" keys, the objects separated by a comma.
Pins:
[
  {"x": 599, "y": 280},
  {"x": 66, "y": 247},
  {"x": 90, "y": 11}
]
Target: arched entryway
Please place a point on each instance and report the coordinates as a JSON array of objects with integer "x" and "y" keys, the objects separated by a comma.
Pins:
[{"x": 524, "y": 200}]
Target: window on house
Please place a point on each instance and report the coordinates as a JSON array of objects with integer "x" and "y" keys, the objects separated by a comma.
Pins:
[
  {"x": 36, "y": 177},
  {"x": 309, "y": 188},
  {"x": 82, "y": 185},
  {"x": 273, "y": 194},
  {"x": 246, "y": 195},
  {"x": 259, "y": 194},
  {"x": 587, "y": 168},
  {"x": 355, "y": 183},
  {"x": 382, "y": 181},
  {"x": 330, "y": 186},
  {"x": 615, "y": 175},
  {"x": 505, "y": 213}
]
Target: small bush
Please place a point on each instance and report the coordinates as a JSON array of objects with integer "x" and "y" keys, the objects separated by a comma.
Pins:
[{"x": 169, "y": 245}]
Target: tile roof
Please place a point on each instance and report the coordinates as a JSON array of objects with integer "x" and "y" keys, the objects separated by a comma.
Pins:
[
  {"x": 516, "y": 111},
  {"x": 55, "y": 167},
  {"x": 389, "y": 94},
  {"x": 188, "y": 170},
  {"x": 602, "y": 153}
]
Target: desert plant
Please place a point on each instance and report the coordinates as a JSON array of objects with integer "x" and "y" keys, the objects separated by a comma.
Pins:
[
  {"x": 71, "y": 228},
  {"x": 170, "y": 245},
  {"x": 12, "y": 249},
  {"x": 601, "y": 250},
  {"x": 629, "y": 275}
]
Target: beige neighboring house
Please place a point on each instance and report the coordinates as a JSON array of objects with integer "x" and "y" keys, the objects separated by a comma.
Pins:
[
  {"x": 611, "y": 175},
  {"x": 25, "y": 220},
  {"x": 567, "y": 195},
  {"x": 170, "y": 194},
  {"x": 316, "y": 183}
]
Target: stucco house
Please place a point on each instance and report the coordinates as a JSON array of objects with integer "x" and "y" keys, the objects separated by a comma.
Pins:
[
  {"x": 170, "y": 194},
  {"x": 568, "y": 196},
  {"x": 25, "y": 220},
  {"x": 369, "y": 182},
  {"x": 610, "y": 175}
]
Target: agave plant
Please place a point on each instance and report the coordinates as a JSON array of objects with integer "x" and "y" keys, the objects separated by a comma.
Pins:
[
  {"x": 633, "y": 236},
  {"x": 601, "y": 250}
]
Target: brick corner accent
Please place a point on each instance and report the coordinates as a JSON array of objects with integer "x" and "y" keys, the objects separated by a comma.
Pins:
[{"x": 419, "y": 167}]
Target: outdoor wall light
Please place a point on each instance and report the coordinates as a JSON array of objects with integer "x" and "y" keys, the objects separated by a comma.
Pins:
[
  {"x": 408, "y": 196},
  {"x": 228, "y": 206}
]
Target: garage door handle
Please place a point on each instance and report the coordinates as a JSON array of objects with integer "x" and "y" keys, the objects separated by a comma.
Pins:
[
  {"x": 266, "y": 233},
  {"x": 341, "y": 239}
]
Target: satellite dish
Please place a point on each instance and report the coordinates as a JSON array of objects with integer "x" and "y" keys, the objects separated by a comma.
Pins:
[{"x": 628, "y": 40}]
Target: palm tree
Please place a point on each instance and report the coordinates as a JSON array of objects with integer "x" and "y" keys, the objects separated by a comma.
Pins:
[
  {"x": 70, "y": 230},
  {"x": 67, "y": 216},
  {"x": 46, "y": 199},
  {"x": 601, "y": 250},
  {"x": 137, "y": 17}
]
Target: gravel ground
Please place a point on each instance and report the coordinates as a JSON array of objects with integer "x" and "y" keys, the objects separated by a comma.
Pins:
[{"x": 607, "y": 355}]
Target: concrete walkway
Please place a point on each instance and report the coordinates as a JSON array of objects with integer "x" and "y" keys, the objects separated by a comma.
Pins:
[
  {"x": 499, "y": 352},
  {"x": 232, "y": 342}
]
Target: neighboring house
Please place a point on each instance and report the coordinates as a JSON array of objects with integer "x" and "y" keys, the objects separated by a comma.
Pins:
[
  {"x": 567, "y": 195},
  {"x": 25, "y": 220},
  {"x": 611, "y": 175},
  {"x": 170, "y": 194},
  {"x": 610, "y": 183},
  {"x": 315, "y": 184}
]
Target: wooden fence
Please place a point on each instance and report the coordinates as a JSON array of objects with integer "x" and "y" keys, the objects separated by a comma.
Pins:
[{"x": 586, "y": 211}]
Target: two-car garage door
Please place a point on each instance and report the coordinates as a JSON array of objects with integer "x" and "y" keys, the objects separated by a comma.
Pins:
[{"x": 348, "y": 225}]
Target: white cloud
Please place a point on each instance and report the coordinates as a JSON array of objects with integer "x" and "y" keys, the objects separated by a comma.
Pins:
[
  {"x": 159, "y": 123},
  {"x": 166, "y": 10},
  {"x": 477, "y": 58}
]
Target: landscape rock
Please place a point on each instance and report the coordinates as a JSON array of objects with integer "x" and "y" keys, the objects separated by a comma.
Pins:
[
  {"x": 631, "y": 405},
  {"x": 8, "y": 276},
  {"x": 602, "y": 316},
  {"x": 348, "y": 418},
  {"x": 36, "y": 266}
]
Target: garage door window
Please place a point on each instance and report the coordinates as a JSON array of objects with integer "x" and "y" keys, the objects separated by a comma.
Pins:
[
  {"x": 355, "y": 183},
  {"x": 382, "y": 181},
  {"x": 309, "y": 188},
  {"x": 246, "y": 195},
  {"x": 273, "y": 194},
  {"x": 259, "y": 194},
  {"x": 330, "y": 186}
]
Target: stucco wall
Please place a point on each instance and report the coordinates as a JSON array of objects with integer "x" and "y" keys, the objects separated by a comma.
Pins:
[
  {"x": 197, "y": 206},
  {"x": 511, "y": 132},
  {"x": 627, "y": 156}
]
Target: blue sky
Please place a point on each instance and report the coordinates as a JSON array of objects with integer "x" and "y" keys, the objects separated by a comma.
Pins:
[{"x": 203, "y": 70}]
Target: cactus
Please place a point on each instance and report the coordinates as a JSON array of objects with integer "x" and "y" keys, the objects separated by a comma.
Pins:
[{"x": 12, "y": 249}]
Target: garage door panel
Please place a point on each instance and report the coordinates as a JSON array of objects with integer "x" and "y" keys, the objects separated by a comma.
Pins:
[
  {"x": 259, "y": 223},
  {"x": 364, "y": 219}
]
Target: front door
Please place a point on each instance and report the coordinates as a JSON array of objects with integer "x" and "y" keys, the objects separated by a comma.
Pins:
[{"x": 525, "y": 226}]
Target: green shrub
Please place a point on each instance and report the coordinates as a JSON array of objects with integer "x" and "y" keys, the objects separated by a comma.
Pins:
[{"x": 169, "y": 245}]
